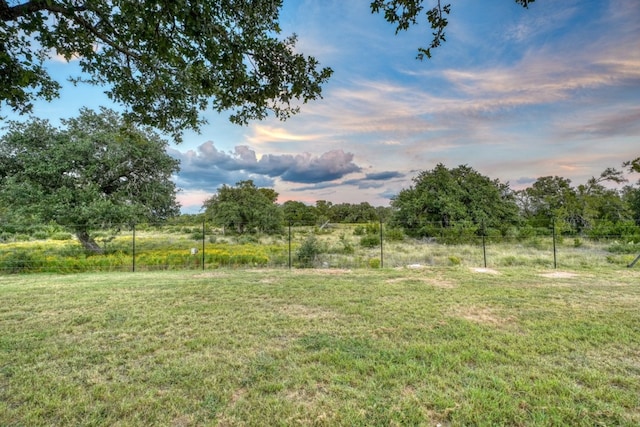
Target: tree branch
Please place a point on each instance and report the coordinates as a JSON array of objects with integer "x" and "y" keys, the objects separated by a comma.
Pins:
[{"x": 12, "y": 13}]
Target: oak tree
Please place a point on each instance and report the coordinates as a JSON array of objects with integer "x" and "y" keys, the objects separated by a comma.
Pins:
[
  {"x": 245, "y": 208},
  {"x": 164, "y": 60},
  {"x": 444, "y": 198},
  {"x": 97, "y": 171}
]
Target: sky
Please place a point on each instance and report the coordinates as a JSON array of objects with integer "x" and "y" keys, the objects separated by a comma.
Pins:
[{"x": 514, "y": 93}]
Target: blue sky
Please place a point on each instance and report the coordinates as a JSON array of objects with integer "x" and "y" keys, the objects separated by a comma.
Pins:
[{"x": 514, "y": 93}]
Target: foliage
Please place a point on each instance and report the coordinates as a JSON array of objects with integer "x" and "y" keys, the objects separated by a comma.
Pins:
[
  {"x": 245, "y": 208},
  {"x": 98, "y": 171},
  {"x": 443, "y": 197},
  {"x": 347, "y": 246},
  {"x": 298, "y": 213},
  {"x": 19, "y": 261},
  {"x": 308, "y": 251},
  {"x": 577, "y": 209},
  {"x": 393, "y": 234},
  {"x": 165, "y": 61},
  {"x": 164, "y": 248},
  {"x": 405, "y": 13},
  {"x": 370, "y": 240},
  {"x": 353, "y": 213}
]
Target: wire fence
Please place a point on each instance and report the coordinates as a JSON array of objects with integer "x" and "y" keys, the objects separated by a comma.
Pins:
[{"x": 144, "y": 247}]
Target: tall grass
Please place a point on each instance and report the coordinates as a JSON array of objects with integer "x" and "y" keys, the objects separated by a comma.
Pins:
[
  {"x": 321, "y": 347},
  {"x": 343, "y": 246}
]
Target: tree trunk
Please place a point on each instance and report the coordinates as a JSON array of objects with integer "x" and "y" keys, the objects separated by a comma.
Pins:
[{"x": 88, "y": 243}]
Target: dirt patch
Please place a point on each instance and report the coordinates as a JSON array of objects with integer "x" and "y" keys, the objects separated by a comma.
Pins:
[
  {"x": 323, "y": 271},
  {"x": 485, "y": 270},
  {"x": 559, "y": 275},
  {"x": 416, "y": 266},
  {"x": 483, "y": 315}
]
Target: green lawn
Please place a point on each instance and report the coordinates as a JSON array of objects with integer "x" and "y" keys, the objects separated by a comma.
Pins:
[{"x": 321, "y": 347}]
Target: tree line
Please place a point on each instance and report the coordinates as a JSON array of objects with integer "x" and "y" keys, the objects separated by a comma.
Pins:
[
  {"x": 450, "y": 199},
  {"x": 99, "y": 171}
]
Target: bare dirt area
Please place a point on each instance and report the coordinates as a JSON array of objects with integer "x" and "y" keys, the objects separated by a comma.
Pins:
[
  {"x": 559, "y": 275},
  {"x": 483, "y": 315},
  {"x": 485, "y": 270}
]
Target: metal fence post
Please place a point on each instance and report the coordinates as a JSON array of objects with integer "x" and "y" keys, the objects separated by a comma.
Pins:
[
  {"x": 484, "y": 250},
  {"x": 289, "y": 245},
  {"x": 381, "y": 246},
  {"x": 633, "y": 262},
  {"x": 203, "y": 237},
  {"x": 133, "y": 248},
  {"x": 555, "y": 259},
  {"x": 484, "y": 244}
]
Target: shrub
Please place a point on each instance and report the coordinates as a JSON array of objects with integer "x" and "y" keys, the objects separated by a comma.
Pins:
[
  {"x": 394, "y": 235},
  {"x": 308, "y": 251},
  {"x": 359, "y": 231},
  {"x": 454, "y": 260},
  {"x": 373, "y": 228},
  {"x": 374, "y": 263},
  {"x": 40, "y": 235},
  {"x": 347, "y": 247},
  {"x": 370, "y": 241}
]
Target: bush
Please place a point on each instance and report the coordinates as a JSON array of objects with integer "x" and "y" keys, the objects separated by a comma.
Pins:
[
  {"x": 459, "y": 233},
  {"x": 370, "y": 241},
  {"x": 40, "y": 235},
  {"x": 374, "y": 263},
  {"x": 372, "y": 228},
  {"x": 347, "y": 247},
  {"x": 394, "y": 235},
  {"x": 308, "y": 251}
]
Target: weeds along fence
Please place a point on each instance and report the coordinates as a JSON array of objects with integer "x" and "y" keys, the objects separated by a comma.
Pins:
[{"x": 144, "y": 247}]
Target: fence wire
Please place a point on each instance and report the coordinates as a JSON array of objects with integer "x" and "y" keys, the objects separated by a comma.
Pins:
[{"x": 145, "y": 247}]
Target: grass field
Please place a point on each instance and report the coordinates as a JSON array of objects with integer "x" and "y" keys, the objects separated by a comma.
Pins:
[
  {"x": 339, "y": 247},
  {"x": 450, "y": 346}
]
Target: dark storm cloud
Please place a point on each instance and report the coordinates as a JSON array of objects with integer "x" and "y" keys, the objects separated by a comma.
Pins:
[
  {"x": 207, "y": 167},
  {"x": 383, "y": 176}
]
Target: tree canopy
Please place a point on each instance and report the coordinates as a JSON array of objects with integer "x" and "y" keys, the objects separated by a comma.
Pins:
[
  {"x": 165, "y": 60},
  {"x": 442, "y": 198},
  {"x": 97, "y": 171},
  {"x": 553, "y": 198},
  {"x": 245, "y": 208}
]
